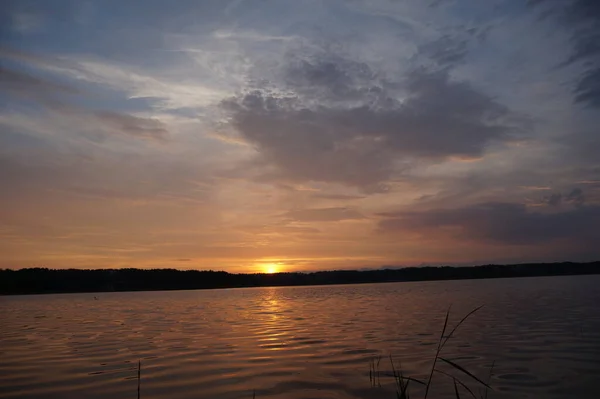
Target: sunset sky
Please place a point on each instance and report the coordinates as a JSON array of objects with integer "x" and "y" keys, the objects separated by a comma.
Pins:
[{"x": 298, "y": 135}]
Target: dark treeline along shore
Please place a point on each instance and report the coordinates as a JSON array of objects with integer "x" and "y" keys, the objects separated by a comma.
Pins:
[{"x": 42, "y": 280}]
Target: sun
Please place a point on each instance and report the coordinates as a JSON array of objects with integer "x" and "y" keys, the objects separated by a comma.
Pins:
[{"x": 270, "y": 268}]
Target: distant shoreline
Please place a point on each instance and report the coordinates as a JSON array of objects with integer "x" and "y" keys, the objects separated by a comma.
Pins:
[{"x": 38, "y": 281}]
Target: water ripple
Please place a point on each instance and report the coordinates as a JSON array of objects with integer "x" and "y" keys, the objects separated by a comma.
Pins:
[{"x": 303, "y": 342}]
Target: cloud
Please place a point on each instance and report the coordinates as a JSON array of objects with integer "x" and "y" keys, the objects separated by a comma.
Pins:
[
  {"x": 280, "y": 229},
  {"x": 198, "y": 87},
  {"x": 445, "y": 51},
  {"x": 346, "y": 197},
  {"x": 336, "y": 128},
  {"x": 501, "y": 223},
  {"x": 103, "y": 176},
  {"x": 553, "y": 200},
  {"x": 581, "y": 18},
  {"x": 91, "y": 126},
  {"x": 536, "y": 188},
  {"x": 295, "y": 230},
  {"x": 145, "y": 128},
  {"x": 51, "y": 95},
  {"x": 588, "y": 88},
  {"x": 589, "y": 182},
  {"x": 574, "y": 197},
  {"x": 323, "y": 215},
  {"x": 28, "y": 86},
  {"x": 328, "y": 77}
]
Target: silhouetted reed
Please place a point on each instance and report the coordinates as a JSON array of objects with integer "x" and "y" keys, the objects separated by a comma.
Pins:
[{"x": 456, "y": 372}]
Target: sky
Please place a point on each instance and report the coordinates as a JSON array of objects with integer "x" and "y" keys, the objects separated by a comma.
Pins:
[{"x": 258, "y": 135}]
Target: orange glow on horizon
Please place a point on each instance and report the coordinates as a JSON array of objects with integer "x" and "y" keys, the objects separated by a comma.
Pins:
[{"x": 270, "y": 268}]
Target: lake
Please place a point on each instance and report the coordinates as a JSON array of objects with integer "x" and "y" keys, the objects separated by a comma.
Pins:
[{"x": 542, "y": 333}]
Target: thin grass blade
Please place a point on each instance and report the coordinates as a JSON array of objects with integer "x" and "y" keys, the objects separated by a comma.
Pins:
[
  {"x": 456, "y": 390},
  {"x": 405, "y": 391},
  {"x": 460, "y": 368},
  {"x": 489, "y": 378},
  {"x": 414, "y": 380},
  {"x": 457, "y": 380},
  {"x": 445, "y": 322},
  {"x": 437, "y": 353},
  {"x": 459, "y": 323}
]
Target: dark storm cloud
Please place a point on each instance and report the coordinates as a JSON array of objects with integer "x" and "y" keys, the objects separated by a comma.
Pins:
[
  {"x": 360, "y": 143},
  {"x": 502, "y": 223},
  {"x": 582, "y": 19}
]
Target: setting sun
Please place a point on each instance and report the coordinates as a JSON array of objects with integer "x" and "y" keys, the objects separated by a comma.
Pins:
[{"x": 270, "y": 268}]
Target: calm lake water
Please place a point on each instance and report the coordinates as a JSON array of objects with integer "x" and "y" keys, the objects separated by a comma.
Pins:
[{"x": 302, "y": 342}]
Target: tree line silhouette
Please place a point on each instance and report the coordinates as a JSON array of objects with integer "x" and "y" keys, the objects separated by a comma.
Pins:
[{"x": 44, "y": 280}]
